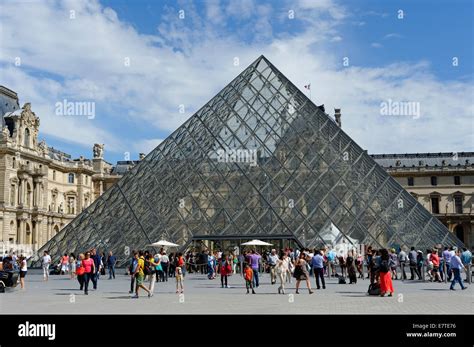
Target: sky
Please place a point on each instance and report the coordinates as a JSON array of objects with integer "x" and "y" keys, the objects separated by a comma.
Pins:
[{"x": 148, "y": 65}]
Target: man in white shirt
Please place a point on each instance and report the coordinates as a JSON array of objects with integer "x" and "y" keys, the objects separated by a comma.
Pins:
[
  {"x": 272, "y": 262},
  {"x": 456, "y": 267},
  {"x": 46, "y": 261}
]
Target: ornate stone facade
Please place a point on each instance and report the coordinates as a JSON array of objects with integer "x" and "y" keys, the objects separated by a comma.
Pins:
[{"x": 41, "y": 189}]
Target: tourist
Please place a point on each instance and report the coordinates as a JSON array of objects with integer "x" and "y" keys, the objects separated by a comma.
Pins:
[
  {"x": 456, "y": 266},
  {"x": 394, "y": 263},
  {"x": 171, "y": 265},
  {"x": 225, "y": 270},
  {"x": 342, "y": 263},
  {"x": 317, "y": 264},
  {"x": 447, "y": 255},
  {"x": 359, "y": 265},
  {"x": 179, "y": 279},
  {"x": 402, "y": 260},
  {"x": 272, "y": 261},
  {"x": 351, "y": 270},
  {"x": 419, "y": 263},
  {"x": 281, "y": 270},
  {"x": 254, "y": 259},
  {"x": 412, "y": 258},
  {"x": 466, "y": 258},
  {"x": 210, "y": 267},
  {"x": 133, "y": 270},
  {"x": 111, "y": 261},
  {"x": 164, "y": 264},
  {"x": 46, "y": 262},
  {"x": 181, "y": 263},
  {"x": 435, "y": 260},
  {"x": 153, "y": 274},
  {"x": 235, "y": 261},
  {"x": 140, "y": 275},
  {"x": 386, "y": 285},
  {"x": 64, "y": 264},
  {"x": 160, "y": 275},
  {"x": 23, "y": 270},
  {"x": 301, "y": 273},
  {"x": 97, "y": 267},
  {"x": 248, "y": 276},
  {"x": 72, "y": 265},
  {"x": 429, "y": 265},
  {"x": 89, "y": 271},
  {"x": 80, "y": 271}
]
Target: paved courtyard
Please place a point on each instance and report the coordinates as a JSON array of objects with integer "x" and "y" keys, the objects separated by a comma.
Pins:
[{"x": 62, "y": 295}]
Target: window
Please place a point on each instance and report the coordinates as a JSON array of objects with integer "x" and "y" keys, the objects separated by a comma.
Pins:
[
  {"x": 54, "y": 175},
  {"x": 458, "y": 204},
  {"x": 86, "y": 178},
  {"x": 12, "y": 195},
  {"x": 14, "y": 162},
  {"x": 70, "y": 178},
  {"x": 457, "y": 180},
  {"x": 411, "y": 181},
  {"x": 434, "y": 180},
  {"x": 27, "y": 137},
  {"x": 435, "y": 204}
]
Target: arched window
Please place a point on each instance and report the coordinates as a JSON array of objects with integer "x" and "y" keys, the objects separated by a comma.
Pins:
[
  {"x": 27, "y": 137},
  {"x": 70, "y": 178}
]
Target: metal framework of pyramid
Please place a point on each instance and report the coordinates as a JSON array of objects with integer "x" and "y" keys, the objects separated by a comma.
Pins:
[{"x": 259, "y": 160}]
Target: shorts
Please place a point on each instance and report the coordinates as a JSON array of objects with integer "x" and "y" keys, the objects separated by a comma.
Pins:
[
  {"x": 140, "y": 279},
  {"x": 64, "y": 267},
  {"x": 23, "y": 274}
]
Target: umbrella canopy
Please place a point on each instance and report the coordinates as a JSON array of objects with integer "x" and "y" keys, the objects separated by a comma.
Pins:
[
  {"x": 164, "y": 243},
  {"x": 256, "y": 243}
]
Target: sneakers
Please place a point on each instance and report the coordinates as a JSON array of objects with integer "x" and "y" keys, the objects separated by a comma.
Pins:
[
  {"x": 134, "y": 297},
  {"x": 150, "y": 294},
  {"x": 464, "y": 288}
]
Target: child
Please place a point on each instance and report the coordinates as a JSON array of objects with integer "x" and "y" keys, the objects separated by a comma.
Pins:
[
  {"x": 179, "y": 279},
  {"x": 248, "y": 275}
]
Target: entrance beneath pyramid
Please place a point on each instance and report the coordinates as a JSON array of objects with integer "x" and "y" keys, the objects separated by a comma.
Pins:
[{"x": 233, "y": 245}]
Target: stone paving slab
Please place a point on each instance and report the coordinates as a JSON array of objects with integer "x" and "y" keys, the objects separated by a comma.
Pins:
[{"x": 60, "y": 295}]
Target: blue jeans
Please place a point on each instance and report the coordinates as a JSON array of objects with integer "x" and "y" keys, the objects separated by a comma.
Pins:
[
  {"x": 457, "y": 278},
  {"x": 87, "y": 277},
  {"x": 111, "y": 271},
  {"x": 448, "y": 271},
  {"x": 255, "y": 277}
]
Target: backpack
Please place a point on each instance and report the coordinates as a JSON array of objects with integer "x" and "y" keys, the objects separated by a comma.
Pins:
[
  {"x": 342, "y": 280},
  {"x": 374, "y": 289}
]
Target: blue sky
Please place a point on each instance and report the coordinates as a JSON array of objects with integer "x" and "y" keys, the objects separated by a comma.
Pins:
[{"x": 185, "y": 61}]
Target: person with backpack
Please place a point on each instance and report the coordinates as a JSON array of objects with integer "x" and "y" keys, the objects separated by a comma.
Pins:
[
  {"x": 140, "y": 275},
  {"x": 386, "y": 284},
  {"x": 225, "y": 270}
]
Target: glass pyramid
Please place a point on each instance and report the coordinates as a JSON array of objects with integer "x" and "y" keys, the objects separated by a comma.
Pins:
[{"x": 258, "y": 160}]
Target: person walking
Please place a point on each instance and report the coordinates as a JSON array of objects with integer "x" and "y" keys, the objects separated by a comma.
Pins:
[
  {"x": 64, "y": 264},
  {"x": 301, "y": 273},
  {"x": 317, "y": 264},
  {"x": 447, "y": 255},
  {"x": 436, "y": 263},
  {"x": 272, "y": 261},
  {"x": 111, "y": 261},
  {"x": 248, "y": 276},
  {"x": 412, "y": 258},
  {"x": 179, "y": 279},
  {"x": 331, "y": 256},
  {"x": 281, "y": 270},
  {"x": 72, "y": 265},
  {"x": 393, "y": 264},
  {"x": 466, "y": 259},
  {"x": 402, "y": 261},
  {"x": 97, "y": 266},
  {"x": 46, "y": 262},
  {"x": 23, "y": 270},
  {"x": 386, "y": 284},
  {"x": 254, "y": 259},
  {"x": 351, "y": 270},
  {"x": 165, "y": 264},
  {"x": 140, "y": 275},
  {"x": 225, "y": 270},
  {"x": 153, "y": 263},
  {"x": 80, "y": 271},
  {"x": 89, "y": 271},
  {"x": 419, "y": 264},
  {"x": 132, "y": 271},
  {"x": 456, "y": 266}
]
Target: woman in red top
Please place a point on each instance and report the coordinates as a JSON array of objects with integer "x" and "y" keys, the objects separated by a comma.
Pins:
[
  {"x": 89, "y": 269},
  {"x": 225, "y": 270},
  {"x": 435, "y": 260}
]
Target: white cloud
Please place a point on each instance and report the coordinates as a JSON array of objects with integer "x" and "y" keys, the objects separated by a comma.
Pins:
[
  {"x": 376, "y": 45},
  {"x": 187, "y": 61}
]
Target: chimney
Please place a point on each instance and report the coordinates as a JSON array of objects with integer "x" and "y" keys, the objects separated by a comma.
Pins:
[
  {"x": 337, "y": 116},
  {"x": 141, "y": 156}
]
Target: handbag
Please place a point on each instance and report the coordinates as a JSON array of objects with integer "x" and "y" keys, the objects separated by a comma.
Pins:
[{"x": 80, "y": 271}]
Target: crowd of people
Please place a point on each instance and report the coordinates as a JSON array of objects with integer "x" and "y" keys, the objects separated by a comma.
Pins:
[{"x": 381, "y": 266}]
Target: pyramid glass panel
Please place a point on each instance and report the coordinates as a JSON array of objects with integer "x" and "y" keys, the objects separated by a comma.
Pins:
[{"x": 259, "y": 160}]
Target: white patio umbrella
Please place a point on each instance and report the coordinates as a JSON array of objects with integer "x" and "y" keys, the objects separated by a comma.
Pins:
[
  {"x": 256, "y": 243},
  {"x": 164, "y": 243}
]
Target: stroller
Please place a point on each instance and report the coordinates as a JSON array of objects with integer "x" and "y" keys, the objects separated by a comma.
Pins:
[{"x": 8, "y": 275}]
